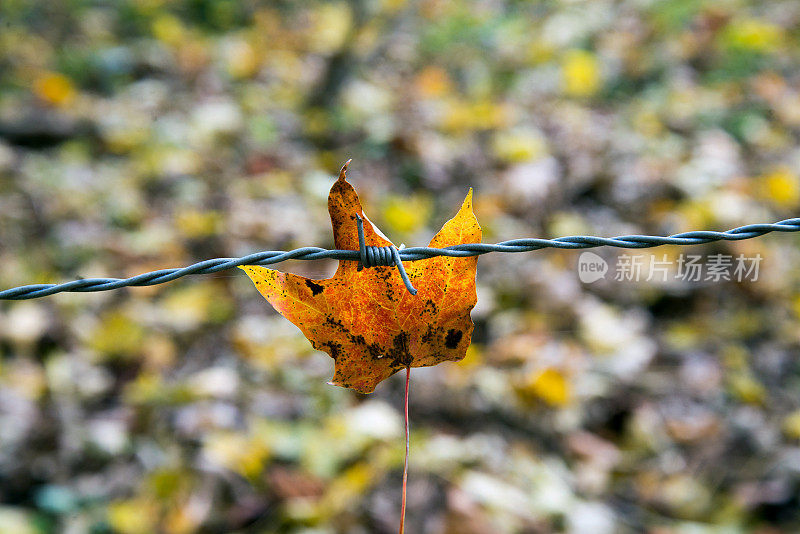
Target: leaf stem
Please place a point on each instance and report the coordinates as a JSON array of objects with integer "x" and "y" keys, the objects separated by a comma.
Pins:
[{"x": 405, "y": 463}]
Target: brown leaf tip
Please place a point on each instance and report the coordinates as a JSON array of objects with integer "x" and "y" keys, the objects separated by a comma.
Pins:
[{"x": 343, "y": 171}]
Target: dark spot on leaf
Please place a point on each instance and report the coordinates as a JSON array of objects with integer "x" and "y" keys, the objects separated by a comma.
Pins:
[
  {"x": 431, "y": 307},
  {"x": 316, "y": 289},
  {"x": 453, "y": 338},
  {"x": 373, "y": 349},
  {"x": 358, "y": 340},
  {"x": 399, "y": 353},
  {"x": 431, "y": 334},
  {"x": 334, "y": 349},
  {"x": 335, "y": 323}
]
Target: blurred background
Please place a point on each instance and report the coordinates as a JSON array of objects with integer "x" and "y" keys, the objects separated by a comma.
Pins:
[{"x": 138, "y": 135}]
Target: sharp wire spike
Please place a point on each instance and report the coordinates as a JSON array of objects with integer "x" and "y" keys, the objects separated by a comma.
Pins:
[
  {"x": 403, "y": 275},
  {"x": 362, "y": 248}
]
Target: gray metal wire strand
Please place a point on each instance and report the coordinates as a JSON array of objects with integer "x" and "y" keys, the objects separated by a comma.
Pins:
[{"x": 409, "y": 254}]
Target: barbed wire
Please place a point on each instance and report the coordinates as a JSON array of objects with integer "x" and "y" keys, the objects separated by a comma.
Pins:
[{"x": 270, "y": 257}]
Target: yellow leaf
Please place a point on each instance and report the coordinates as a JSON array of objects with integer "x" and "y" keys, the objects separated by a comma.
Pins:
[
  {"x": 551, "y": 386},
  {"x": 332, "y": 23},
  {"x": 348, "y": 487},
  {"x": 144, "y": 389},
  {"x": 781, "y": 187},
  {"x": 190, "y": 306},
  {"x": 755, "y": 35},
  {"x": 791, "y": 425},
  {"x": 648, "y": 123},
  {"x": 117, "y": 335},
  {"x": 55, "y": 89},
  {"x": 405, "y": 215},
  {"x": 242, "y": 60},
  {"x": 518, "y": 146},
  {"x": 540, "y": 51},
  {"x": 433, "y": 82},
  {"x": 461, "y": 116},
  {"x": 168, "y": 29},
  {"x": 195, "y": 223},
  {"x": 244, "y": 455},
  {"x": 133, "y": 516},
  {"x": 124, "y": 139},
  {"x": 165, "y": 484},
  {"x": 747, "y": 389},
  {"x": 580, "y": 73}
]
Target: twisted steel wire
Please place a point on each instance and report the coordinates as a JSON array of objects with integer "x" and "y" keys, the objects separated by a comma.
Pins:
[
  {"x": 372, "y": 256},
  {"x": 408, "y": 254}
]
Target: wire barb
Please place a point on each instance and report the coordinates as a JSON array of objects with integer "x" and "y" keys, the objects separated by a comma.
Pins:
[
  {"x": 269, "y": 257},
  {"x": 372, "y": 256}
]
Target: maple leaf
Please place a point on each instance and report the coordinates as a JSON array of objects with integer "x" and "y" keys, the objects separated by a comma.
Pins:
[{"x": 365, "y": 319}]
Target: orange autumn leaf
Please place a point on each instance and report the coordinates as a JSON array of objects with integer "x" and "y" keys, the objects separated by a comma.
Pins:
[{"x": 366, "y": 320}]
